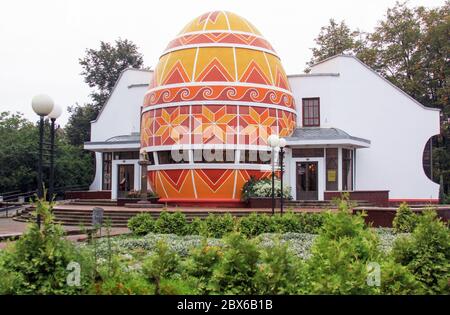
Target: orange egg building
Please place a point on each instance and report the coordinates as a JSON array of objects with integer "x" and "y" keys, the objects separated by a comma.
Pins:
[{"x": 219, "y": 90}]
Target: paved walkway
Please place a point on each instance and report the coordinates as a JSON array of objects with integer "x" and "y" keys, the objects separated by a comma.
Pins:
[
  {"x": 12, "y": 228},
  {"x": 183, "y": 209}
]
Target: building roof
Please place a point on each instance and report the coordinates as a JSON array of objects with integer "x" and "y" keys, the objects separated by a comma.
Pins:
[
  {"x": 378, "y": 75},
  {"x": 321, "y": 136},
  {"x": 117, "y": 143},
  {"x": 134, "y": 137}
]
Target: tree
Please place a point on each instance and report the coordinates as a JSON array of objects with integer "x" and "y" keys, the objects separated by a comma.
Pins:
[
  {"x": 101, "y": 68},
  {"x": 19, "y": 154},
  {"x": 409, "y": 47},
  {"x": 335, "y": 39},
  {"x": 78, "y": 128}
]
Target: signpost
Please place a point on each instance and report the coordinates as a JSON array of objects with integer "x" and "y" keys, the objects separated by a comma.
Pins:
[{"x": 97, "y": 216}]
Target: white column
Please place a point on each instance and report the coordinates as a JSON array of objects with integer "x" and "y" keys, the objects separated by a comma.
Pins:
[{"x": 339, "y": 168}]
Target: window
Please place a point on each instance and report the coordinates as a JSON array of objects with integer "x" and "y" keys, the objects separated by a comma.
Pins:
[
  {"x": 106, "y": 167},
  {"x": 332, "y": 169},
  {"x": 347, "y": 169},
  {"x": 312, "y": 152},
  {"x": 311, "y": 112},
  {"x": 126, "y": 155},
  {"x": 214, "y": 156},
  {"x": 255, "y": 157},
  {"x": 173, "y": 157}
]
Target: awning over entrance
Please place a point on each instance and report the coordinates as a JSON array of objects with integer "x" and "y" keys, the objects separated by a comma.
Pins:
[
  {"x": 123, "y": 142},
  {"x": 325, "y": 136}
]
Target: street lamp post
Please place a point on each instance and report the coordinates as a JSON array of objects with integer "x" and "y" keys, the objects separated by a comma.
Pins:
[
  {"x": 54, "y": 114},
  {"x": 42, "y": 105},
  {"x": 282, "y": 144},
  {"x": 273, "y": 142},
  {"x": 277, "y": 143}
]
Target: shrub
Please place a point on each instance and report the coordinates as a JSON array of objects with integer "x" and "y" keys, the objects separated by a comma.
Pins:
[
  {"x": 163, "y": 263},
  {"x": 298, "y": 223},
  {"x": 218, "y": 225},
  {"x": 398, "y": 280},
  {"x": 311, "y": 222},
  {"x": 263, "y": 188},
  {"x": 201, "y": 263},
  {"x": 427, "y": 253},
  {"x": 37, "y": 262},
  {"x": 195, "y": 227},
  {"x": 236, "y": 269},
  {"x": 288, "y": 222},
  {"x": 177, "y": 286},
  {"x": 171, "y": 223},
  {"x": 255, "y": 224},
  {"x": 340, "y": 254},
  {"x": 113, "y": 278},
  {"x": 405, "y": 220},
  {"x": 142, "y": 224},
  {"x": 277, "y": 271},
  {"x": 248, "y": 189}
]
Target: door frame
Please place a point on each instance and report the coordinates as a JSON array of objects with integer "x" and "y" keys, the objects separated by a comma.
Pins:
[
  {"x": 320, "y": 175},
  {"x": 115, "y": 175}
]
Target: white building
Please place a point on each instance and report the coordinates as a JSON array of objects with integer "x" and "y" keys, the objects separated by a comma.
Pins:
[{"x": 355, "y": 132}]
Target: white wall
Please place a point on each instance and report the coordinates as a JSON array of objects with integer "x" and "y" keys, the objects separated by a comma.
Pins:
[
  {"x": 363, "y": 104},
  {"x": 121, "y": 115}
]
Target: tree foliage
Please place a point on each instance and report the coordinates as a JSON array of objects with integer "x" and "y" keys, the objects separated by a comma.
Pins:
[
  {"x": 410, "y": 48},
  {"x": 101, "y": 70},
  {"x": 334, "y": 39},
  {"x": 102, "y": 67},
  {"x": 19, "y": 140}
]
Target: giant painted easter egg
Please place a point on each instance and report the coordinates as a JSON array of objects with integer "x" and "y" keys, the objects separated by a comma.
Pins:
[{"x": 219, "y": 90}]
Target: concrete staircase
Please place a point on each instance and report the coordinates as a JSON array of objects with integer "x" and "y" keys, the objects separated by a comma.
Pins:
[
  {"x": 119, "y": 218},
  {"x": 92, "y": 202},
  {"x": 321, "y": 204}
]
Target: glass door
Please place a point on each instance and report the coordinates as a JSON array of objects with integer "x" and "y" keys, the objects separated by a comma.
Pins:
[
  {"x": 126, "y": 179},
  {"x": 307, "y": 181}
]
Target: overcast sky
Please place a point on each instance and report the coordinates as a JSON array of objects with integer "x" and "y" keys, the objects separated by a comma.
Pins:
[{"x": 41, "y": 40}]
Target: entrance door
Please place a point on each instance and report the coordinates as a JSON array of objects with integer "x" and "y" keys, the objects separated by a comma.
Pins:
[
  {"x": 307, "y": 181},
  {"x": 126, "y": 179}
]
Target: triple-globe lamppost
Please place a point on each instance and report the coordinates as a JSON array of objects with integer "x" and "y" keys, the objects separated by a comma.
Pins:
[
  {"x": 277, "y": 144},
  {"x": 44, "y": 106}
]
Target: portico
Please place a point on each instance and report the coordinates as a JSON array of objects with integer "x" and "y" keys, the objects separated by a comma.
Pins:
[{"x": 319, "y": 160}]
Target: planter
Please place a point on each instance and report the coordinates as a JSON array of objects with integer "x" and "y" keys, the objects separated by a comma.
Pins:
[
  {"x": 262, "y": 202},
  {"x": 122, "y": 201}
]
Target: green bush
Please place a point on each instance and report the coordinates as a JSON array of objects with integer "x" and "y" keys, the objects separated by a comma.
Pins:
[
  {"x": 405, "y": 220},
  {"x": 255, "y": 224},
  {"x": 277, "y": 270},
  {"x": 218, "y": 225},
  {"x": 263, "y": 188},
  {"x": 298, "y": 223},
  {"x": 195, "y": 227},
  {"x": 114, "y": 279},
  {"x": 177, "y": 286},
  {"x": 340, "y": 254},
  {"x": 201, "y": 264},
  {"x": 398, "y": 280},
  {"x": 163, "y": 263},
  {"x": 37, "y": 262},
  {"x": 234, "y": 274},
  {"x": 172, "y": 223},
  {"x": 142, "y": 224},
  {"x": 426, "y": 253}
]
